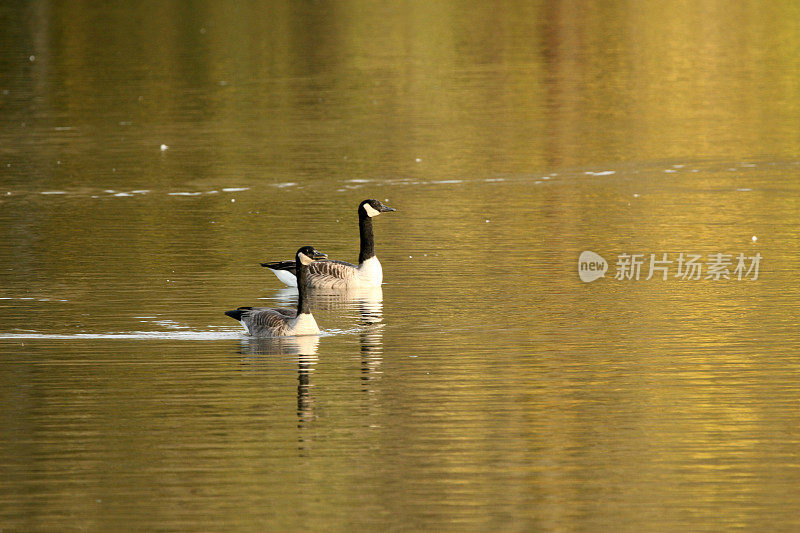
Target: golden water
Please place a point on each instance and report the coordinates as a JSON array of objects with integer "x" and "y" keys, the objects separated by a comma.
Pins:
[{"x": 487, "y": 387}]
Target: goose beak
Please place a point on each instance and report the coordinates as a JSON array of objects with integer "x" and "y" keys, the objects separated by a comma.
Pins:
[
  {"x": 319, "y": 255},
  {"x": 386, "y": 208}
]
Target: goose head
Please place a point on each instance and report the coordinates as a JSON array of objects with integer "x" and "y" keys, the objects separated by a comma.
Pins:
[
  {"x": 308, "y": 254},
  {"x": 373, "y": 208}
]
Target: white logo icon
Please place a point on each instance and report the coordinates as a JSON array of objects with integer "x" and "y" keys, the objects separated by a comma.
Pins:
[{"x": 591, "y": 266}]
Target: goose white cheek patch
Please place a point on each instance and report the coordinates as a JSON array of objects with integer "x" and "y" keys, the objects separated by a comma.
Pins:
[
  {"x": 371, "y": 211},
  {"x": 305, "y": 259}
]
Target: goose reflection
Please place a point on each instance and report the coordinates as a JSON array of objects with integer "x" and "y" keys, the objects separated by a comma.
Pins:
[
  {"x": 260, "y": 353},
  {"x": 258, "y": 347},
  {"x": 365, "y": 305},
  {"x": 366, "y": 302},
  {"x": 370, "y": 309}
]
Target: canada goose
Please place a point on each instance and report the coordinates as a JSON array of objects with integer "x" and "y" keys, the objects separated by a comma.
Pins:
[
  {"x": 281, "y": 321},
  {"x": 339, "y": 274}
]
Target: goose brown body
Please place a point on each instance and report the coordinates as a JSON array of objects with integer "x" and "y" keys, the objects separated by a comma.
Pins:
[
  {"x": 337, "y": 275},
  {"x": 282, "y": 321}
]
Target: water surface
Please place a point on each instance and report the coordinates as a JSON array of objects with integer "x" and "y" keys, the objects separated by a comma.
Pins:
[{"x": 485, "y": 387}]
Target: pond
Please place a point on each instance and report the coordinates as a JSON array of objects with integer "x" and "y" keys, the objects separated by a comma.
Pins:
[{"x": 153, "y": 155}]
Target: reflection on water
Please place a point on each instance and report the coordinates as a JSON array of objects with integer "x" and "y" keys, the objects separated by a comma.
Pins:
[
  {"x": 260, "y": 348},
  {"x": 486, "y": 387},
  {"x": 259, "y": 355},
  {"x": 365, "y": 304},
  {"x": 367, "y": 299},
  {"x": 363, "y": 307}
]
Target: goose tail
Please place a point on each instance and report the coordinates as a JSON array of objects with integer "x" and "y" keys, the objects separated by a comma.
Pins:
[{"x": 236, "y": 314}]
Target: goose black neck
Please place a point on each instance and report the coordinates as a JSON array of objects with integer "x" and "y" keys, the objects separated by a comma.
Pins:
[
  {"x": 367, "y": 240},
  {"x": 302, "y": 277}
]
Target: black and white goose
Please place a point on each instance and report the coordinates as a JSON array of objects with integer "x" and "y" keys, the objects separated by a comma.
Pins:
[
  {"x": 282, "y": 321},
  {"x": 331, "y": 274}
]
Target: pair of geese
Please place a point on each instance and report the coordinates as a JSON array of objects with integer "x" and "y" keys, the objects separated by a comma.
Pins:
[{"x": 312, "y": 270}]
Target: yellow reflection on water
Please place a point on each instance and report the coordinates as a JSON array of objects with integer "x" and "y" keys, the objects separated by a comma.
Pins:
[
  {"x": 486, "y": 385},
  {"x": 468, "y": 91}
]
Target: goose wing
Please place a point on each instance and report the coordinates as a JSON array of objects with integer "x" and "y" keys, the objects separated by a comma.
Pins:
[
  {"x": 332, "y": 269},
  {"x": 267, "y": 316},
  {"x": 264, "y": 321},
  {"x": 326, "y": 273},
  {"x": 325, "y": 267}
]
